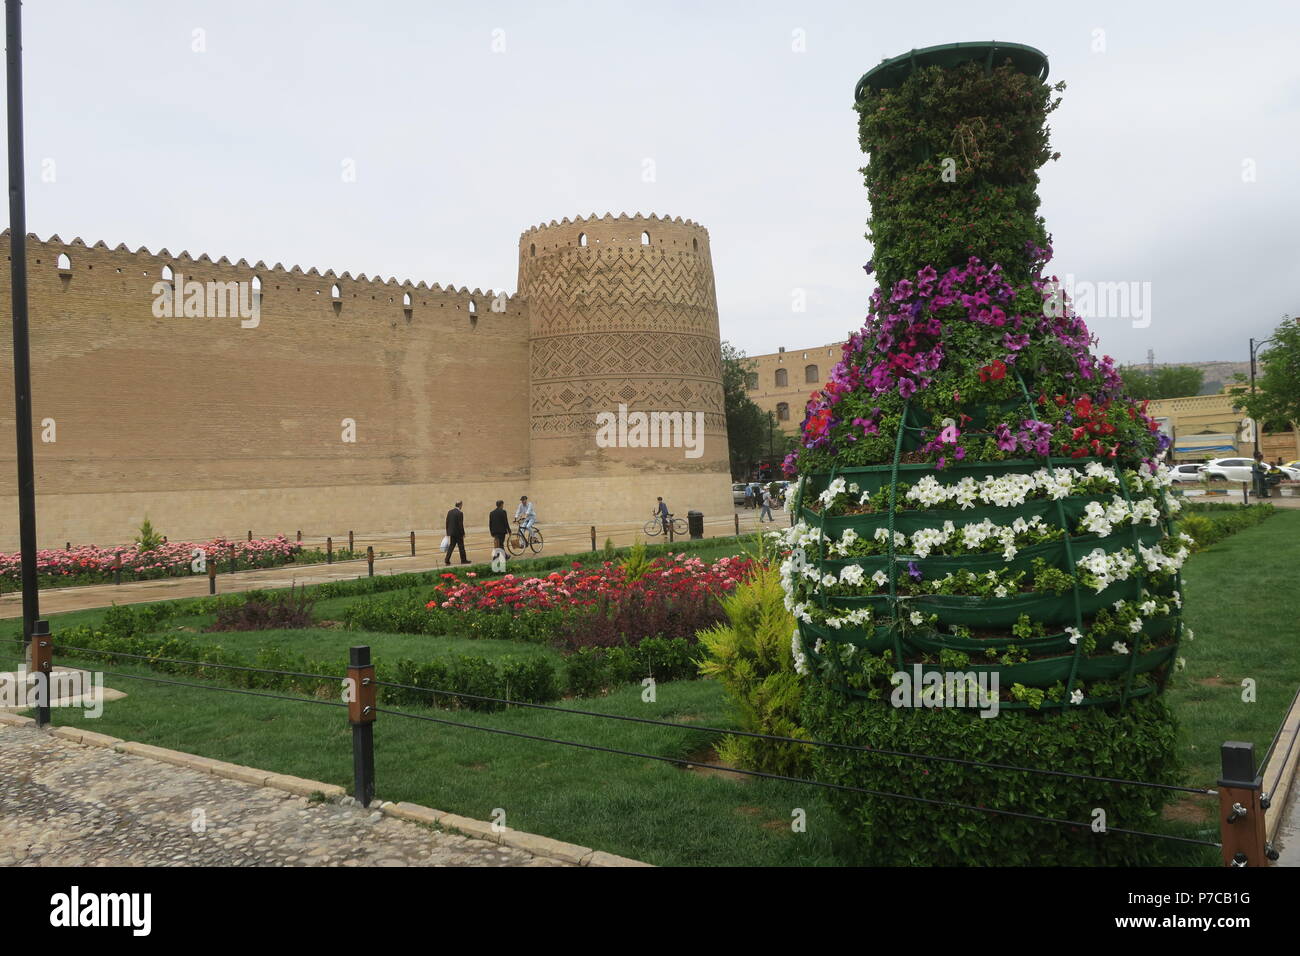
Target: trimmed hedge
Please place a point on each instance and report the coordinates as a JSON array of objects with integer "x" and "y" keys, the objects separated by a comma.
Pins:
[
  {"x": 533, "y": 680},
  {"x": 589, "y": 672},
  {"x": 1138, "y": 744},
  {"x": 1210, "y": 523}
]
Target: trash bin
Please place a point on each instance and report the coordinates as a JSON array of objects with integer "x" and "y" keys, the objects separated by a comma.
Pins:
[{"x": 695, "y": 524}]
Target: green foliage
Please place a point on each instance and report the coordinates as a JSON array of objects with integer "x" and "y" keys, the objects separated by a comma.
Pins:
[
  {"x": 531, "y": 680},
  {"x": 1208, "y": 524},
  {"x": 593, "y": 670},
  {"x": 747, "y": 425},
  {"x": 637, "y": 563},
  {"x": 1276, "y": 402},
  {"x": 993, "y": 127},
  {"x": 610, "y": 551},
  {"x": 1136, "y": 743},
  {"x": 275, "y": 611},
  {"x": 751, "y": 655},
  {"x": 148, "y": 538},
  {"x": 1171, "y": 381}
]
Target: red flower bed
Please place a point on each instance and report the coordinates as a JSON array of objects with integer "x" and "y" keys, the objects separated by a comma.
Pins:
[{"x": 675, "y": 577}]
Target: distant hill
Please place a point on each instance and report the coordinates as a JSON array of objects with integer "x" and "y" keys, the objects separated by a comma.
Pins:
[{"x": 1217, "y": 374}]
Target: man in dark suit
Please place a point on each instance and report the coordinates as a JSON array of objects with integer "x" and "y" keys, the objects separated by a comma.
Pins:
[
  {"x": 499, "y": 527},
  {"x": 456, "y": 533}
]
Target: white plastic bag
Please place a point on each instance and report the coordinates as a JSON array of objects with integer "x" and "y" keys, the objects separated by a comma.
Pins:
[{"x": 446, "y": 543}]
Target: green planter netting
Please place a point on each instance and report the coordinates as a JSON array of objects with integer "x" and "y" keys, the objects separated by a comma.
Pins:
[{"x": 1054, "y": 658}]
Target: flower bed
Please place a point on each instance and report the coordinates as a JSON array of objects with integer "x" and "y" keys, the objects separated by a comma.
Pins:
[
  {"x": 673, "y": 597},
  {"x": 88, "y": 564},
  {"x": 675, "y": 576}
]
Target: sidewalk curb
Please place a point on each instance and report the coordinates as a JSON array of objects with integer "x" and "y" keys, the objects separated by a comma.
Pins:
[{"x": 410, "y": 812}]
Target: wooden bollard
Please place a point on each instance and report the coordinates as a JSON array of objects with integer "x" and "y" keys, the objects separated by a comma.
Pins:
[
  {"x": 300, "y": 535},
  {"x": 117, "y": 568},
  {"x": 68, "y": 546},
  {"x": 329, "y": 550},
  {"x": 1241, "y": 809},
  {"x": 212, "y": 577},
  {"x": 370, "y": 559},
  {"x": 412, "y": 544},
  {"x": 350, "y": 546},
  {"x": 250, "y": 534},
  {"x": 737, "y": 517},
  {"x": 593, "y": 538}
]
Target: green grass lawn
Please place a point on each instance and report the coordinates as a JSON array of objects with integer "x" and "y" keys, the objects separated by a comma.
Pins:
[
  {"x": 635, "y": 807},
  {"x": 1243, "y": 605}
]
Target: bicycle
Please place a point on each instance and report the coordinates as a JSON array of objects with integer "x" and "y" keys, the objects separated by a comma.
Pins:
[
  {"x": 517, "y": 543},
  {"x": 658, "y": 525}
]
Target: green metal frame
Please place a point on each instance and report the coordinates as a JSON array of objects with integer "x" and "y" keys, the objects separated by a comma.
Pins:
[{"x": 892, "y": 72}]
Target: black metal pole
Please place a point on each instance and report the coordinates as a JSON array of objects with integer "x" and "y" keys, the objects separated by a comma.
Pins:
[
  {"x": 18, "y": 283},
  {"x": 1253, "y": 347}
]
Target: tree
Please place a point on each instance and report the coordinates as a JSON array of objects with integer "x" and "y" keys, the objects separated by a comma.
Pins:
[
  {"x": 1276, "y": 401},
  {"x": 1170, "y": 381},
  {"x": 747, "y": 432}
]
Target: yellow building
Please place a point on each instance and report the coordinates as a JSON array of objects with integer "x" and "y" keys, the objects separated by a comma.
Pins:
[
  {"x": 781, "y": 382},
  {"x": 1205, "y": 427}
]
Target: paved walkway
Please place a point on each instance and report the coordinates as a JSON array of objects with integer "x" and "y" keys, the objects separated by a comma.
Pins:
[
  {"x": 562, "y": 540},
  {"x": 1288, "y": 836},
  {"x": 67, "y": 804}
]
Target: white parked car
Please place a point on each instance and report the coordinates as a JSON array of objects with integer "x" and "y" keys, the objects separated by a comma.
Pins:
[
  {"x": 1186, "y": 472},
  {"x": 1241, "y": 469}
]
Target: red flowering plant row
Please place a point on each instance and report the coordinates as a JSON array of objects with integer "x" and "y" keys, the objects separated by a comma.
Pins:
[
  {"x": 89, "y": 564},
  {"x": 991, "y": 369},
  {"x": 673, "y": 598}
]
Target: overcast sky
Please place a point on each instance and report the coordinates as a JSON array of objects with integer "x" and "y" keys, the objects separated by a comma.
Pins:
[{"x": 468, "y": 122}]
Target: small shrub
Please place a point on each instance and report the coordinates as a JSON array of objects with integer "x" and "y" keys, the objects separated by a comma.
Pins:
[
  {"x": 750, "y": 654},
  {"x": 531, "y": 680},
  {"x": 635, "y": 616},
  {"x": 586, "y": 672},
  {"x": 265, "y": 612},
  {"x": 637, "y": 564},
  {"x": 148, "y": 538}
]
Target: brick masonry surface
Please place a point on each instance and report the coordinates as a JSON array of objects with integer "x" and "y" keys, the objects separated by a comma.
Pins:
[{"x": 212, "y": 428}]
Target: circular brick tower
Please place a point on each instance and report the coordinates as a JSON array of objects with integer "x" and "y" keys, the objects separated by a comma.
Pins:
[{"x": 623, "y": 329}]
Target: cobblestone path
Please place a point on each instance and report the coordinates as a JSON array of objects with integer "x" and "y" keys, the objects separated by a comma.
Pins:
[{"x": 68, "y": 804}]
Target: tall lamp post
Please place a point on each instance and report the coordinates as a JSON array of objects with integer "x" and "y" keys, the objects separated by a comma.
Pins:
[
  {"x": 22, "y": 356},
  {"x": 1254, "y": 350}
]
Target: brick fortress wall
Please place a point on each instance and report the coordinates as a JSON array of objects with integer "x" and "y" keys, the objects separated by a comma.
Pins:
[{"x": 210, "y": 428}]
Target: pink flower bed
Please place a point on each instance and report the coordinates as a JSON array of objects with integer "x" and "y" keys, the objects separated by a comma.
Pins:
[{"x": 89, "y": 563}]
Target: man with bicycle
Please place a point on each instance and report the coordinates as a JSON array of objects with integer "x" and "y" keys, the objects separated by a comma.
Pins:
[
  {"x": 525, "y": 516},
  {"x": 664, "y": 516}
]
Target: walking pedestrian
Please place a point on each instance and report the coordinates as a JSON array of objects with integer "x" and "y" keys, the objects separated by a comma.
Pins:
[
  {"x": 767, "y": 506},
  {"x": 456, "y": 533},
  {"x": 499, "y": 527}
]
